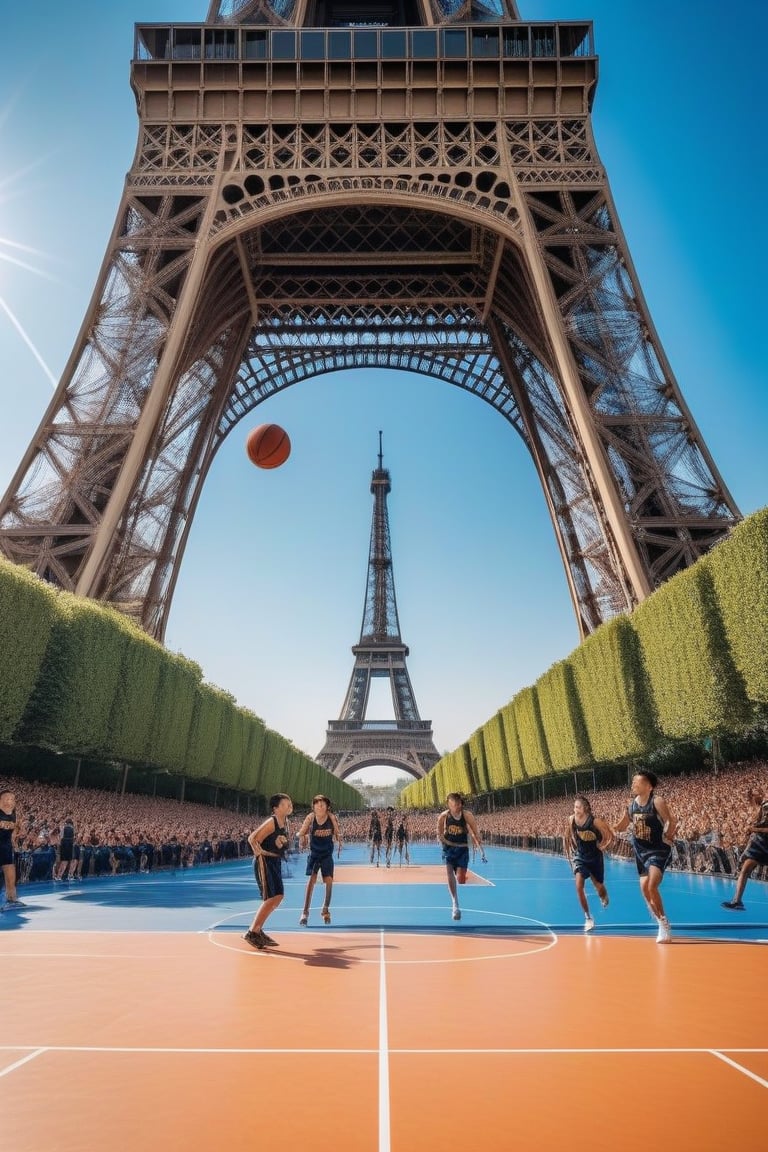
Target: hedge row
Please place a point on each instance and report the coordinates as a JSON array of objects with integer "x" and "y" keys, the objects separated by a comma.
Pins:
[
  {"x": 689, "y": 663},
  {"x": 80, "y": 678}
]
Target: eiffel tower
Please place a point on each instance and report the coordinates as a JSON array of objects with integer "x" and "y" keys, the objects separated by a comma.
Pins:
[
  {"x": 327, "y": 184},
  {"x": 353, "y": 742}
]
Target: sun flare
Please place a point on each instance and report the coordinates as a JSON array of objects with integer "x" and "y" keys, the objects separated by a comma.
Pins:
[{"x": 12, "y": 253}]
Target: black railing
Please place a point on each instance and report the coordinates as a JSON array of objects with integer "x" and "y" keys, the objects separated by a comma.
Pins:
[
  {"x": 379, "y": 725},
  {"x": 162, "y": 42}
]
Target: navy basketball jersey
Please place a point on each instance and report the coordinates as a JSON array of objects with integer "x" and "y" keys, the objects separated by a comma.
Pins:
[
  {"x": 586, "y": 839},
  {"x": 276, "y": 841},
  {"x": 321, "y": 838},
  {"x": 647, "y": 826},
  {"x": 455, "y": 832}
]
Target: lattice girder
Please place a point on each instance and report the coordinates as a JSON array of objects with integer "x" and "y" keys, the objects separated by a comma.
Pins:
[
  {"x": 657, "y": 455},
  {"x": 82, "y": 442}
]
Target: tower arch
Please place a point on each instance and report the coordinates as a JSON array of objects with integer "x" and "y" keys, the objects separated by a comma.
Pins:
[{"x": 307, "y": 196}]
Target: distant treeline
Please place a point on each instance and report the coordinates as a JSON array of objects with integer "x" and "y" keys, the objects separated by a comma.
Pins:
[
  {"x": 79, "y": 678},
  {"x": 689, "y": 664}
]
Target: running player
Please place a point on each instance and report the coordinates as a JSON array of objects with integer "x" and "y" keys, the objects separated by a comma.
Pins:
[
  {"x": 455, "y": 826},
  {"x": 653, "y": 834},
  {"x": 66, "y": 864},
  {"x": 374, "y": 837},
  {"x": 402, "y": 839},
  {"x": 755, "y": 853},
  {"x": 319, "y": 830},
  {"x": 7, "y": 858},
  {"x": 586, "y": 837},
  {"x": 389, "y": 835},
  {"x": 269, "y": 844}
]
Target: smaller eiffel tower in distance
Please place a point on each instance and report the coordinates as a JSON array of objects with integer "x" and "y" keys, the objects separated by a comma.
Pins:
[{"x": 352, "y": 741}]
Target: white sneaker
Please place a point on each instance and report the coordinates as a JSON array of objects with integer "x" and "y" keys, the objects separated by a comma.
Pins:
[
  {"x": 456, "y": 914},
  {"x": 303, "y": 919},
  {"x": 588, "y": 923},
  {"x": 665, "y": 932}
]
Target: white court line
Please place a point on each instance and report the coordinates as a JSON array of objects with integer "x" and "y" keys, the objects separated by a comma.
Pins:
[
  {"x": 527, "y": 924},
  {"x": 384, "y": 1127},
  {"x": 86, "y": 956},
  {"x": 741, "y": 1068},
  {"x": 24, "y": 1060},
  {"x": 195, "y": 1051},
  {"x": 36, "y": 1050}
]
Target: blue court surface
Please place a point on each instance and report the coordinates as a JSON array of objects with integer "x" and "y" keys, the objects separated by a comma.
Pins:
[{"x": 517, "y": 893}]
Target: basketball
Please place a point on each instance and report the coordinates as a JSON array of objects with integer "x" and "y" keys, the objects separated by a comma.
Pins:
[{"x": 268, "y": 446}]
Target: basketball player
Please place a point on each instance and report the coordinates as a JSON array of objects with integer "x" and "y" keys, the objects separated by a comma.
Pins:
[
  {"x": 455, "y": 827},
  {"x": 374, "y": 836},
  {"x": 319, "y": 830},
  {"x": 389, "y": 835},
  {"x": 653, "y": 834},
  {"x": 586, "y": 837},
  {"x": 66, "y": 864},
  {"x": 7, "y": 861},
  {"x": 402, "y": 839},
  {"x": 269, "y": 844},
  {"x": 755, "y": 853}
]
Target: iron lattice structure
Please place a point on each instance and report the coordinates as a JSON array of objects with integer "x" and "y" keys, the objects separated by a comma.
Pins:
[
  {"x": 325, "y": 184},
  {"x": 353, "y": 741}
]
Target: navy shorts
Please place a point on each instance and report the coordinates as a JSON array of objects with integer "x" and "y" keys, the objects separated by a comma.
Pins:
[
  {"x": 656, "y": 859},
  {"x": 756, "y": 850},
  {"x": 456, "y": 857},
  {"x": 594, "y": 868},
  {"x": 6, "y": 854},
  {"x": 269, "y": 876},
  {"x": 321, "y": 864}
]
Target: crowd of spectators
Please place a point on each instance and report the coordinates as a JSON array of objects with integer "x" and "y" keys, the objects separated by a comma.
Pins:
[{"x": 117, "y": 833}]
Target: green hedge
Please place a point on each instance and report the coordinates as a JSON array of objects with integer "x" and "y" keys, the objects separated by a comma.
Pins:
[
  {"x": 275, "y": 756},
  {"x": 739, "y": 568},
  {"x": 208, "y": 715},
  {"x": 251, "y": 774},
  {"x": 479, "y": 762},
  {"x": 177, "y": 691},
  {"x": 695, "y": 688},
  {"x": 512, "y": 738},
  {"x": 563, "y": 724},
  {"x": 466, "y": 779},
  {"x": 132, "y": 720},
  {"x": 689, "y": 663},
  {"x": 79, "y": 677},
  {"x": 71, "y": 705},
  {"x": 613, "y": 690},
  {"x": 28, "y": 609},
  {"x": 499, "y": 772},
  {"x": 231, "y": 747},
  {"x": 533, "y": 744}
]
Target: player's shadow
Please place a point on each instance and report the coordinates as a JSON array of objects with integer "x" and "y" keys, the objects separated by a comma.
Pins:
[{"x": 331, "y": 957}]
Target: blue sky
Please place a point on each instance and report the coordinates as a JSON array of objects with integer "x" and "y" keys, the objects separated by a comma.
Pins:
[{"x": 270, "y": 596}]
